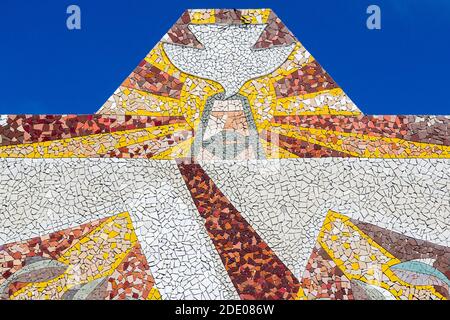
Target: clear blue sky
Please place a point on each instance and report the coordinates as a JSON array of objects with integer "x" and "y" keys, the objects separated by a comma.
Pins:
[{"x": 45, "y": 68}]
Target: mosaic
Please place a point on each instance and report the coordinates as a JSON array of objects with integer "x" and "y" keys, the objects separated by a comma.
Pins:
[{"x": 227, "y": 165}]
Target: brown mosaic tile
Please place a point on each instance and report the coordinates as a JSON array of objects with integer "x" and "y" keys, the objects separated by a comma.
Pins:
[
  {"x": 228, "y": 16},
  {"x": 275, "y": 34},
  {"x": 180, "y": 33},
  {"x": 13, "y": 256},
  {"x": 149, "y": 148},
  {"x": 149, "y": 78},
  {"x": 310, "y": 78}
]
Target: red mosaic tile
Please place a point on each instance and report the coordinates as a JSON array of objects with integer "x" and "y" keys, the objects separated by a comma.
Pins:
[
  {"x": 310, "y": 78},
  {"x": 13, "y": 256},
  {"x": 254, "y": 269}
]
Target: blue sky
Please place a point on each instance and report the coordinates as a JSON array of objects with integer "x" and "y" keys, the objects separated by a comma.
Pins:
[{"x": 45, "y": 68}]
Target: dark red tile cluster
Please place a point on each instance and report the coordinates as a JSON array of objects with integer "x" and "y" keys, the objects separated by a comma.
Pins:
[
  {"x": 149, "y": 78},
  {"x": 310, "y": 78},
  {"x": 301, "y": 148},
  {"x": 180, "y": 33},
  {"x": 254, "y": 269},
  {"x": 38, "y": 128},
  {"x": 228, "y": 16},
  {"x": 427, "y": 129},
  {"x": 275, "y": 34}
]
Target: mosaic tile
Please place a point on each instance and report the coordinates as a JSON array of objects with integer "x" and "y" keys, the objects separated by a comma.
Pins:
[
  {"x": 132, "y": 278},
  {"x": 180, "y": 33},
  {"x": 364, "y": 145},
  {"x": 427, "y": 129},
  {"x": 231, "y": 66},
  {"x": 141, "y": 143},
  {"x": 227, "y": 165},
  {"x": 286, "y": 200}
]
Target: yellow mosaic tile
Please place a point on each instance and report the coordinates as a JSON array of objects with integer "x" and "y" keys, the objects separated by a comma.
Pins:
[
  {"x": 297, "y": 59},
  {"x": 154, "y": 294},
  {"x": 301, "y": 295},
  {"x": 193, "y": 98},
  {"x": 202, "y": 16},
  {"x": 158, "y": 58},
  {"x": 262, "y": 99},
  {"x": 255, "y": 16},
  {"x": 325, "y": 102}
]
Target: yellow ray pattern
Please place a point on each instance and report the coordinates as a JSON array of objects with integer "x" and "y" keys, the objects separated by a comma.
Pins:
[
  {"x": 326, "y": 102},
  {"x": 361, "y": 145},
  {"x": 92, "y": 145}
]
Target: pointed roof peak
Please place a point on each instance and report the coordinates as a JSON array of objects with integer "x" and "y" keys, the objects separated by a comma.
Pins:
[{"x": 226, "y": 51}]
